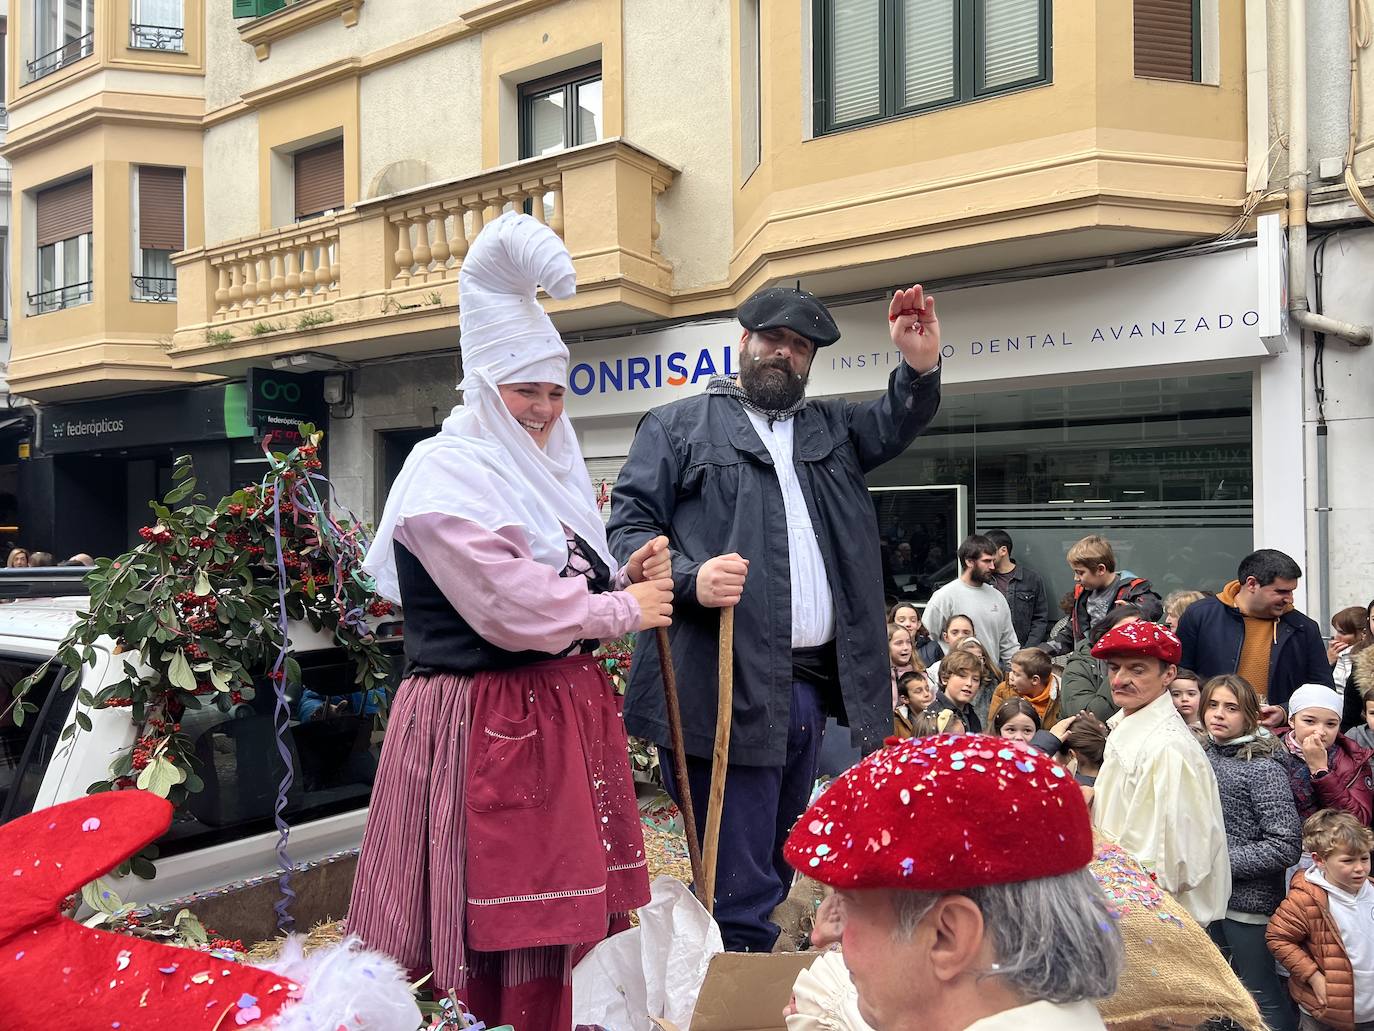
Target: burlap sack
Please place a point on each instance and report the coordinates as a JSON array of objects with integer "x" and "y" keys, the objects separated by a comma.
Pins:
[{"x": 1175, "y": 977}]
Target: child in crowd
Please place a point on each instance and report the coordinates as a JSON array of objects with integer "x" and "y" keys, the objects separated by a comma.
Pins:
[
  {"x": 908, "y": 615},
  {"x": 1187, "y": 695},
  {"x": 1086, "y": 742},
  {"x": 957, "y": 629},
  {"x": 1015, "y": 719},
  {"x": 1098, "y": 586},
  {"x": 1323, "y": 932},
  {"x": 1263, "y": 835},
  {"x": 1326, "y": 770},
  {"x": 1030, "y": 676},
  {"x": 1176, "y": 604},
  {"x": 1363, "y": 735},
  {"x": 913, "y": 698},
  {"x": 899, "y": 655},
  {"x": 959, "y": 674},
  {"x": 988, "y": 679},
  {"x": 1349, "y": 636},
  {"x": 938, "y": 721}
]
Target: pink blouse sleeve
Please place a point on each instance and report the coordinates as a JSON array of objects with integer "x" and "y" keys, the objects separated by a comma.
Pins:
[{"x": 492, "y": 581}]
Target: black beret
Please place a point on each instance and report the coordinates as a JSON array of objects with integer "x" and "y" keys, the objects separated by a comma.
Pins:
[{"x": 797, "y": 310}]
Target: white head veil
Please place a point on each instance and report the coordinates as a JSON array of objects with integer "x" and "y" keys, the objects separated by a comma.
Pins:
[{"x": 483, "y": 465}]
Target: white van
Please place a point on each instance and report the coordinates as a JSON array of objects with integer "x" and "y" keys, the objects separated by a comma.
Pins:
[{"x": 225, "y": 834}]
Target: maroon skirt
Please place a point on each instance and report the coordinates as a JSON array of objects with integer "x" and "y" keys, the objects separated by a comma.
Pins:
[{"x": 503, "y": 817}]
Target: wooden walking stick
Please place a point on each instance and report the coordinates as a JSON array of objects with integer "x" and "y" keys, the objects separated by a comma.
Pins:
[
  {"x": 725, "y": 700},
  {"x": 684, "y": 788}
]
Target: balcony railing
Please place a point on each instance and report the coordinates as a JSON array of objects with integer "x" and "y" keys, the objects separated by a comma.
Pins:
[
  {"x": 69, "y": 53},
  {"x": 157, "y": 37},
  {"x": 154, "y": 288},
  {"x": 401, "y": 254},
  {"x": 60, "y": 297}
]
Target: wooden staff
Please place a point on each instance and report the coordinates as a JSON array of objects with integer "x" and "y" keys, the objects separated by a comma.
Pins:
[
  {"x": 684, "y": 787},
  {"x": 725, "y": 701}
]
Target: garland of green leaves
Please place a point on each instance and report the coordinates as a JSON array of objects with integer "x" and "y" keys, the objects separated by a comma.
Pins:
[{"x": 194, "y": 614}]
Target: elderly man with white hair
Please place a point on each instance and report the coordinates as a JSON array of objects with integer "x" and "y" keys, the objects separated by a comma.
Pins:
[{"x": 961, "y": 864}]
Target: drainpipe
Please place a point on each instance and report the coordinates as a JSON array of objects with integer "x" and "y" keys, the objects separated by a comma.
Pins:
[{"x": 1361, "y": 336}]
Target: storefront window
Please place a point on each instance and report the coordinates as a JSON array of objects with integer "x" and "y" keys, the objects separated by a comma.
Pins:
[{"x": 1162, "y": 468}]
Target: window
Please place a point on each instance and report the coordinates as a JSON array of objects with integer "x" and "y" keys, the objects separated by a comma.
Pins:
[
  {"x": 64, "y": 247},
  {"x": 880, "y": 59},
  {"x": 25, "y": 751},
  {"x": 319, "y": 180},
  {"x": 63, "y": 33},
  {"x": 157, "y": 25},
  {"x": 332, "y": 739},
  {"x": 159, "y": 227},
  {"x": 1167, "y": 40},
  {"x": 750, "y": 96},
  {"x": 561, "y": 111}
]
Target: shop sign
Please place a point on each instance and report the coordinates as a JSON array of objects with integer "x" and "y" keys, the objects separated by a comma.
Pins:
[
  {"x": 1182, "y": 311},
  {"x": 175, "y": 416},
  {"x": 278, "y": 402}
]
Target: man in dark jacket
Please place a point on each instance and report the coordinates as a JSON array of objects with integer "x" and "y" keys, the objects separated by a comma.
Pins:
[
  {"x": 1024, "y": 591},
  {"x": 1252, "y": 629},
  {"x": 763, "y": 499}
]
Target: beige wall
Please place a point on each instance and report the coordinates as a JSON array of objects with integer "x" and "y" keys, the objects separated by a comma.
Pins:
[
  {"x": 231, "y": 166},
  {"x": 447, "y": 140},
  {"x": 677, "y": 106}
]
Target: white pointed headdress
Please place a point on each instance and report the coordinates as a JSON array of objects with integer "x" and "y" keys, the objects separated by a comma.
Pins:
[{"x": 483, "y": 465}]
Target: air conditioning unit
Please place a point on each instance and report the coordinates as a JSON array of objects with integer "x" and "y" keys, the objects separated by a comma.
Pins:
[{"x": 256, "y": 8}]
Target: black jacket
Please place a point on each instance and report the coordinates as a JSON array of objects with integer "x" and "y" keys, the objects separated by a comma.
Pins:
[
  {"x": 1212, "y": 633},
  {"x": 1030, "y": 606},
  {"x": 698, "y": 472}
]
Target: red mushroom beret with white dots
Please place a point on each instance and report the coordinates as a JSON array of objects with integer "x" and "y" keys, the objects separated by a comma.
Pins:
[
  {"x": 1140, "y": 638},
  {"x": 945, "y": 813}
]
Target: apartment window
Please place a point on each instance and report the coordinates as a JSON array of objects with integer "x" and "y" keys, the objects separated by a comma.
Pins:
[
  {"x": 63, "y": 33},
  {"x": 1168, "y": 40},
  {"x": 560, "y": 111},
  {"x": 319, "y": 180},
  {"x": 160, "y": 228},
  {"x": 157, "y": 25},
  {"x": 880, "y": 59},
  {"x": 64, "y": 247}
]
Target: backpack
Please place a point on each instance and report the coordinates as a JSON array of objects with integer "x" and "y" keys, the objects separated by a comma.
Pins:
[{"x": 1122, "y": 589}]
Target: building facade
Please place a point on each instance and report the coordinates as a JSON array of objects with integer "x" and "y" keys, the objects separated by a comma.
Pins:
[{"x": 1081, "y": 184}]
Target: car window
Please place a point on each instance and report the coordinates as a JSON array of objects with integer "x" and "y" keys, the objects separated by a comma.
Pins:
[
  {"x": 332, "y": 742},
  {"x": 26, "y": 750}
]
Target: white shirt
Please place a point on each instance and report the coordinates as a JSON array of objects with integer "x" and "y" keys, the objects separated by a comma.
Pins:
[
  {"x": 1157, "y": 798},
  {"x": 988, "y": 609},
  {"x": 813, "y": 608},
  {"x": 1044, "y": 1016},
  {"x": 1354, "y": 916}
]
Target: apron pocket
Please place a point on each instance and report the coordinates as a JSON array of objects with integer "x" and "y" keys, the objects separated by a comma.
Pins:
[{"x": 508, "y": 769}]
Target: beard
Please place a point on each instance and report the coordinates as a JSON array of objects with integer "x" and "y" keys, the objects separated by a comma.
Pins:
[
  {"x": 771, "y": 384},
  {"x": 978, "y": 576}
]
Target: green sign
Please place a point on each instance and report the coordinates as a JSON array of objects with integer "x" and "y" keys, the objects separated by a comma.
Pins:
[{"x": 280, "y": 401}]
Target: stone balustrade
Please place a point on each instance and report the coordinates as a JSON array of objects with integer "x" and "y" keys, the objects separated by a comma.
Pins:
[{"x": 290, "y": 269}]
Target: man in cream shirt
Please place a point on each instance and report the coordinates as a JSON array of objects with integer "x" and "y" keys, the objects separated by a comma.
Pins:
[{"x": 1156, "y": 795}]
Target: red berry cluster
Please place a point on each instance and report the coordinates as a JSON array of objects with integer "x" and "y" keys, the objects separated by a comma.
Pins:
[
  {"x": 132, "y": 920},
  {"x": 277, "y": 675},
  {"x": 197, "y": 611},
  {"x": 236, "y": 697},
  {"x": 118, "y": 703},
  {"x": 232, "y": 944},
  {"x": 235, "y": 510},
  {"x": 159, "y": 535},
  {"x": 381, "y": 608},
  {"x": 202, "y": 542},
  {"x": 143, "y": 755},
  {"x": 195, "y": 652}
]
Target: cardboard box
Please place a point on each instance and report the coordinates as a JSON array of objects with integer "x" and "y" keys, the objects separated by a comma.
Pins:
[{"x": 746, "y": 991}]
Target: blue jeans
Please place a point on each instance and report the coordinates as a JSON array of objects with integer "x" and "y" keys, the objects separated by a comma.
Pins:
[
  {"x": 1243, "y": 946},
  {"x": 751, "y": 875}
]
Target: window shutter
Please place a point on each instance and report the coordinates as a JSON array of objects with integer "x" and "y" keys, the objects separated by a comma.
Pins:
[
  {"x": 1011, "y": 42},
  {"x": 603, "y": 471},
  {"x": 1164, "y": 43},
  {"x": 928, "y": 45},
  {"x": 256, "y": 8},
  {"x": 320, "y": 179},
  {"x": 856, "y": 60},
  {"x": 161, "y": 209},
  {"x": 64, "y": 211}
]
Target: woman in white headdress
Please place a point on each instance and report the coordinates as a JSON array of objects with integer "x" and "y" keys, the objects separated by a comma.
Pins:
[{"x": 503, "y": 837}]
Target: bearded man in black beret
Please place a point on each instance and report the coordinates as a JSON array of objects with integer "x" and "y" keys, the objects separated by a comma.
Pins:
[{"x": 761, "y": 493}]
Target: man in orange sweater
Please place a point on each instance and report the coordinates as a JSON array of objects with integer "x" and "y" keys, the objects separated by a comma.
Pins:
[{"x": 1251, "y": 628}]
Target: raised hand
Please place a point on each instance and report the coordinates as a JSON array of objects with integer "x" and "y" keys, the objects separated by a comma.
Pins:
[
  {"x": 652, "y": 561},
  {"x": 914, "y": 328}
]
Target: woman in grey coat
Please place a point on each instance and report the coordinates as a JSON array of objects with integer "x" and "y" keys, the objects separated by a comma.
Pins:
[{"x": 1263, "y": 836}]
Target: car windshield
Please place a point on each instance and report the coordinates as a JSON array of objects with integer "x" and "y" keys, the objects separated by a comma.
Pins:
[{"x": 26, "y": 750}]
